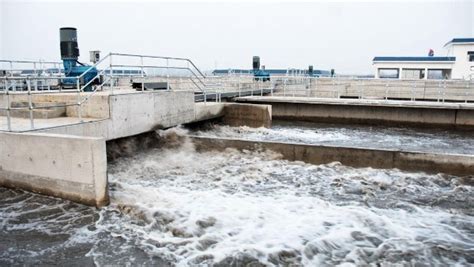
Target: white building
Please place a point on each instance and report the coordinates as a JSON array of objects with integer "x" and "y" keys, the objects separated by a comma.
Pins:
[{"x": 458, "y": 64}]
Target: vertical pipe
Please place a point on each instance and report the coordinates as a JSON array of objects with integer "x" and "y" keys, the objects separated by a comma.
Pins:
[{"x": 30, "y": 104}]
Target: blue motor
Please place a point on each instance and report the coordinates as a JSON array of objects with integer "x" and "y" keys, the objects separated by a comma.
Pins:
[
  {"x": 259, "y": 74},
  {"x": 72, "y": 67}
]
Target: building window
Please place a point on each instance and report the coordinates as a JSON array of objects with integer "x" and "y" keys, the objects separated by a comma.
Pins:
[
  {"x": 439, "y": 74},
  {"x": 389, "y": 73},
  {"x": 470, "y": 54}
]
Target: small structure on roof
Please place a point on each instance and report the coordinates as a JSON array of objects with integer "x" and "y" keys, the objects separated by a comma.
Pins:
[{"x": 458, "y": 64}]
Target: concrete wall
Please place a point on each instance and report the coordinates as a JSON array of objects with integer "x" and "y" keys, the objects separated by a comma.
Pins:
[
  {"x": 357, "y": 157},
  {"x": 369, "y": 113},
  {"x": 235, "y": 114},
  {"x": 135, "y": 113},
  {"x": 251, "y": 115},
  {"x": 69, "y": 167}
]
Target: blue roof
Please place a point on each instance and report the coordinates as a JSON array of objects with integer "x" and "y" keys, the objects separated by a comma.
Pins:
[
  {"x": 463, "y": 40},
  {"x": 460, "y": 40},
  {"x": 424, "y": 59}
]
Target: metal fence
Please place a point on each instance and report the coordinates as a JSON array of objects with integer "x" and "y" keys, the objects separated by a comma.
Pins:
[
  {"x": 15, "y": 82},
  {"x": 183, "y": 74}
]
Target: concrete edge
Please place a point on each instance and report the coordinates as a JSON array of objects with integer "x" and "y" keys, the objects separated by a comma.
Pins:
[
  {"x": 454, "y": 164},
  {"x": 65, "y": 166}
]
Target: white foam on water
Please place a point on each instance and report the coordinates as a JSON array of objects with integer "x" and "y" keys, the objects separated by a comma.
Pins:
[
  {"x": 363, "y": 136},
  {"x": 218, "y": 207}
]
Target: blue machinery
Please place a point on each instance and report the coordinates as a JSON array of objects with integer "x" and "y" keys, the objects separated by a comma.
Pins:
[
  {"x": 259, "y": 74},
  {"x": 72, "y": 67}
]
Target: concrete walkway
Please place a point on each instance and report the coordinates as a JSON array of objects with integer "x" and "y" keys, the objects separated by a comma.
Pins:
[{"x": 23, "y": 124}]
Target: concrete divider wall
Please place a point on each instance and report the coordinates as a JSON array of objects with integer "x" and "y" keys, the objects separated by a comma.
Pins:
[
  {"x": 252, "y": 115},
  {"x": 370, "y": 113},
  {"x": 70, "y": 167},
  {"x": 357, "y": 157},
  {"x": 235, "y": 114}
]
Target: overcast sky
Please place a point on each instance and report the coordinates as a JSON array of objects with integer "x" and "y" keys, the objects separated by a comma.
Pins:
[{"x": 343, "y": 35}]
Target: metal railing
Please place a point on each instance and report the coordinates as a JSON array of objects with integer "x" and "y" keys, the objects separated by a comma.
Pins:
[
  {"x": 13, "y": 84},
  {"x": 10, "y": 68},
  {"x": 359, "y": 88}
]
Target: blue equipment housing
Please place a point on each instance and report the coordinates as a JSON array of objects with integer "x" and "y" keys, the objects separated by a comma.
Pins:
[
  {"x": 259, "y": 74},
  {"x": 72, "y": 67}
]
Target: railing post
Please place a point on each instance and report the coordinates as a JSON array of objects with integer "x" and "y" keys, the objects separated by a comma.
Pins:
[
  {"x": 272, "y": 87},
  {"x": 467, "y": 91},
  {"x": 239, "y": 86},
  {"x": 79, "y": 104},
  {"x": 413, "y": 89},
  {"x": 111, "y": 74},
  {"x": 30, "y": 103},
  {"x": 143, "y": 73},
  {"x": 444, "y": 90},
  {"x": 167, "y": 75},
  {"x": 11, "y": 69},
  {"x": 7, "y": 105}
]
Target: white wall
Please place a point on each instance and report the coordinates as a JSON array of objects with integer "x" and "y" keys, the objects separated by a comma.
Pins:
[
  {"x": 462, "y": 68},
  {"x": 411, "y": 65}
]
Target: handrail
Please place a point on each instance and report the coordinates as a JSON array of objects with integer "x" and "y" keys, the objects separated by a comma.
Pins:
[
  {"x": 162, "y": 57},
  {"x": 163, "y": 67},
  {"x": 93, "y": 66},
  {"x": 29, "y": 61}
]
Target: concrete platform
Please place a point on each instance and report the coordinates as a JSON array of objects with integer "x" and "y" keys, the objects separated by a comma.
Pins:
[{"x": 23, "y": 124}]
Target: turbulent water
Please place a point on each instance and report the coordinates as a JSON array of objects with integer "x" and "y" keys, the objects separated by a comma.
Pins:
[
  {"x": 408, "y": 139},
  {"x": 174, "y": 206}
]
